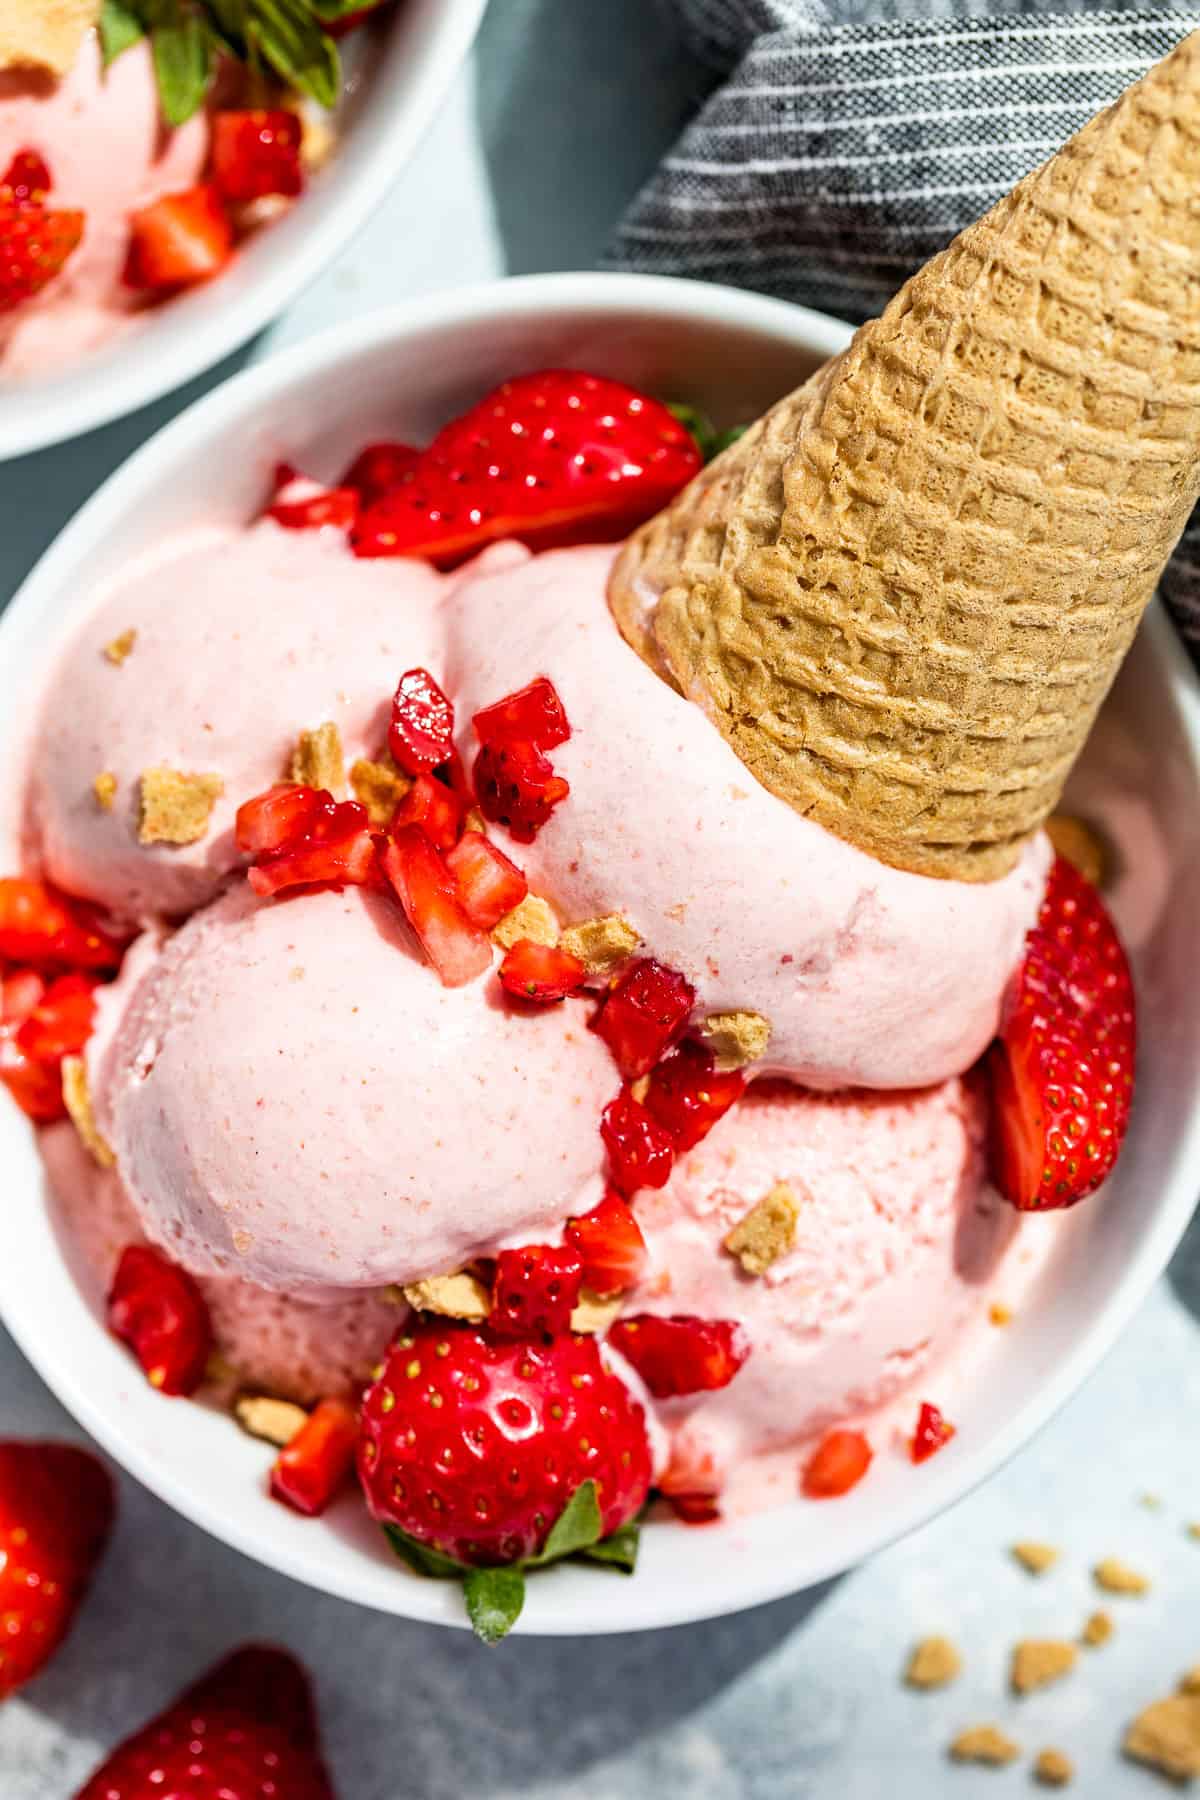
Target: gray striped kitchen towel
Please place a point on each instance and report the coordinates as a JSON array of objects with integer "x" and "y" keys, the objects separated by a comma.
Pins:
[{"x": 847, "y": 141}]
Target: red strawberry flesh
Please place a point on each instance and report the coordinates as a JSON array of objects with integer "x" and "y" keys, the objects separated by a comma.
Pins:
[
  {"x": 257, "y": 152},
  {"x": 56, "y": 1513},
  {"x": 516, "y": 787},
  {"x": 540, "y": 973},
  {"x": 535, "y": 1291},
  {"x": 35, "y": 243},
  {"x": 156, "y": 1308},
  {"x": 421, "y": 735},
  {"x": 687, "y": 1094},
  {"x": 428, "y": 893},
  {"x": 534, "y": 715},
  {"x": 610, "y": 1243},
  {"x": 645, "y": 1011},
  {"x": 310, "y": 1471},
  {"x": 640, "y": 1151},
  {"x": 838, "y": 1464},
  {"x": 489, "y": 885},
  {"x": 683, "y": 1355},
  {"x": 178, "y": 240},
  {"x": 435, "y": 808},
  {"x": 932, "y": 1433}
]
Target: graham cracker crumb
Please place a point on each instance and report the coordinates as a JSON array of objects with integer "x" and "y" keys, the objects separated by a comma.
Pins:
[
  {"x": 460, "y": 1296},
  {"x": 533, "y": 919},
  {"x": 934, "y": 1663},
  {"x": 1191, "y": 1681},
  {"x": 1116, "y": 1577},
  {"x": 1152, "y": 1502},
  {"x": 77, "y": 1099},
  {"x": 46, "y": 34},
  {"x": 275, "y": 1421},
  {"x": 1194, "y": 1530},
  {"x": 767, "y": 1232},
  {"x": 999, "y": 1314},
  {"x": 1036, "y": 1662},
  {"x": 595, "y": 1312},
  {"x": 105, "y": 789},
  {"x": 123, "y": 643},
  {"x": 1166, "y": 1735},
  {"x": 1082, "y": 846},
  {"x": 984, "y": 1744},
  {"x": 1054, "y": 1768},
  {"x": 176, "y": 806},
  {"x": 1035, "y": 1557},
  {"x": 379, "y": 786},
  {"x": 317, "y": 760},
  {"x": 640, "y": 1088},
  {"x": 736, "y": 1038},
  {"x": 601, "y": 944},
  {"x": 1098, "y": 1629}
]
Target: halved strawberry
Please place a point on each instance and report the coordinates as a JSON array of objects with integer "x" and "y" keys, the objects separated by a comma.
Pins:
[
  {"x": 179, "y": 240},
  {"x": 336, "y": 849},
  {"x": 640, "y": 1151},
  {"x": 257, "y": 152},
  {"x": 379, "y": 468},
  {"x": 837, "y": 1464},
  {"x": 39, "y": 925},
  {"x": 35, "y": 242},
  {"x": 156, "y": 1308},
  {"x": 26, "y": 180},
  {"x": 1062, "y": 1070},
  {"x": 535, "y": 1291},
  {"x": 302, "y": 505},
  {"x": 932, "y": 1433},
  {"x": 533, "y": 715},
  {"x": 646, "y": 1009},
  {"x": 436, "y": 808},
  {"x": 489, "y": 885},
  {"x": 421, "y": 734},
  {"x": 687, "y": 1094},
  {"x": 273, "y": 820},
  {"x": 427, "y": 891},
  {"x": 310, "y": 1471},
  {"x": 683, "y": 1355},
  {"x": 610, "y": 1242},
  {"x": 540, "y": 973}
]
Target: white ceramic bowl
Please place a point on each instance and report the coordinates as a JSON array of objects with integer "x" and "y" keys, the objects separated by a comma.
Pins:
[
  {"x": 400, "y": 71},
  {"x": 407, "y": 371}
]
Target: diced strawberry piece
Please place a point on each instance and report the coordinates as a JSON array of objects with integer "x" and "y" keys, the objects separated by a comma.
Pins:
[
  {"x": 35, "y": 242},
  {"x": 540, "y": 973},
  {"x": 35, "y": 1086},
  {"x": 379, "y": 468},
  {"x": 610, "y": 1242},
  {"x": 683, "y": 1355},
  {"x": 276, "y": 819},
  {"x": 39, "y": 925},
  {"x": 489, "y": 885},
  {"x": 640, "y": 1151},
  {"x": 257, "y": 152},
  {"x": 337, "y": 849},
  {"x": 156, "y": 1308},
  {"x": 179, "y": 240},
  {"x": 20, "y": 991},
  {"x": 427, "y": 891},
  {"x": 837, "y": 1464},
  {"x": 311, "y": 1470},
  {"x": 535, "y": 1291},
  {"x": 421, "y": 735},
  {"x": 433, "y": 806},
  {"x": 645, "y": 1011},
  {"x": 517, "y": 788},
  {"x": 933, "y": 1431},
  {"x": 687, "y": 1094},
  {"x": 534, "y": 715},
  {"x": 695, "y": 1509},
  {"x": 311, "y": 509},
  {"x": 26, "y": 180},
  {"x": 61, "y": 1022}
]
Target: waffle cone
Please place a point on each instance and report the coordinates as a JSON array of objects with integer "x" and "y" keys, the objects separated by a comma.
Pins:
[{"x": 904, "y": 593}]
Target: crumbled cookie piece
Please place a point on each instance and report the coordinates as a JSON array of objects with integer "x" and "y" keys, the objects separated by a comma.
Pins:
[
  {"x": 736, "y": 1038},
  {"x": 44, "y": 34},
  {"x": 123, "y": 643},
  {"x": 601, "y": 945},
  {"x": 1082, "y": 845},
  {"x": 1036, "y": 1662},
  {"x": 934, "y": 1663},
  {"x": 1035, "y": 1557},
  {"x": 984, "y": 1744},
  {"x": 379, "y": 786},
  {"x": 1166, "y": 1735},
  {"x": 1098, "y": 1629},
  {"x": 595, "y": 1312},
  {"x": 105, "y": 789},
  {"x": 1194, "y": 1530},
  {"x": 317, "y": 760},
  {"x": 999, "y": 1314},
  {"x": 460, "y": 1296},
  {"x": 275, "y": 1421},
  {"x": 533, "y": 919},
  {"x": 1054, "y": 1768},
  {"x": 1191, "y": 1681},
  {"x": 767, "y": 1232},
  {"x": 176, "y": 806},
  {"x": 1116, "y": 1577},
  {"x": 77, "y": 1099}
]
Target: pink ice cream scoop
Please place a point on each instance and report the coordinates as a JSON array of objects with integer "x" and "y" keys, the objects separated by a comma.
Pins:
[
  {"x": 896, "y": 1237},
  {"x": 869, "y": 976},
  {"x": 101, "y": 135},
  {"x": 292, "y": 1096},
  {"x": 241, "y": 641}
]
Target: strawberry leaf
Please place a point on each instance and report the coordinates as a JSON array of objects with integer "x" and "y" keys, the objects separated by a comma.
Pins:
[
  {"x": 423, "y": 1560},
  {"x": 120, "y": 27},
  {"x": 184, "y": 62},
  {"x": 619, "y": 1550},
  {"x": 494, "y": 1600},
  {"x": 576, "y": 1528},
  {"x": 286, "y": 35}
]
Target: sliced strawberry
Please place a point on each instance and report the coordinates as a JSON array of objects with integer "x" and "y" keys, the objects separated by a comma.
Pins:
[
  {"x": 535, "y": 1291},
  {"x": 276, "y": 819},
  {"x": 26, "y": 180},
  {"x": 517, "y": 788},
  {"x": 35, "y": 1086},
  {"x": 534, "y": 715},
  {"x": 640, "y": 1151},
  {"x": 337, "y": 850},
  {"x": 1062, "y": 1070},
  {"x": 179, "y": 240},
  {"x": 687, "y": 1095},
  {"x": 311, "y": 1470},
  {"x": 683, "y": 1355},
  {"x": 932, "y": 1432},
  {"x": 421, "y": 734},
  {"x": 20, "y": 991},
  {"x": 156, "y": 1308},
  {"x": 379, "y": 468},
  {"x": 427, "y": 891},
  {"x": 437, "y": 809},
  {"x": 257, "y": 152},
  {"x": 837, "y": 1464},
  {"x": 646, "y": 1009},
  {"x": 39, "y": 925},
  {"x": 61, "y": 1022},
  {"x": 489, "y": 885},
  {"x": 540, "y": 973},
  {"x": 35, "y": 242},
  {"x": 56, "y": 1514},
  {"x": 610, "y": 1242},
  {"x": 306, "y": 506}
]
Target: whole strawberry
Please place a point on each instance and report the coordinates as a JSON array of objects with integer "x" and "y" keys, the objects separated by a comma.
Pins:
[
  {"x": 1062, "y": 1070},
  {"x": 244, "y": 1731},
  {"x": 479, "y": 1453},
  {"x": 56, "y": 1513}
]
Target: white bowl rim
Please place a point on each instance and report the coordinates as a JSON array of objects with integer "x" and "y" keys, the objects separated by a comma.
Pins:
[{"x": 945, "y": 1481}]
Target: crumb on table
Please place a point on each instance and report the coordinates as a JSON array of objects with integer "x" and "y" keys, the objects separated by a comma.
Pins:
[
  {"x": 934, "y": 1663},
  {"x": 1053, "y": 1768},
  {"x": 984, "y": 1744},
  {"x": 1036, "y": 1662},
  {"x": 1116, "y": 1577},
  {"x": 1097, "y": 1629},
  {"x": 1035, "y": 1557}
]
